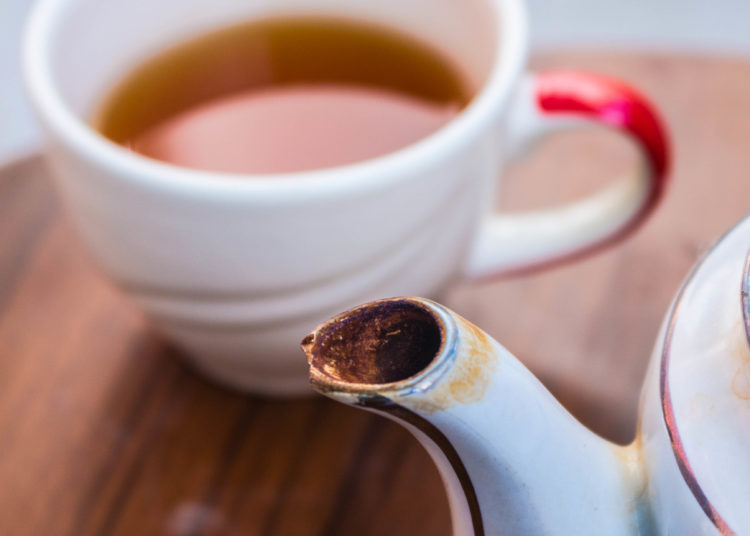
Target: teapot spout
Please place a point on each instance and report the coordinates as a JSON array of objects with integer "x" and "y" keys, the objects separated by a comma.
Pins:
[{"x": 513, "y": 460}]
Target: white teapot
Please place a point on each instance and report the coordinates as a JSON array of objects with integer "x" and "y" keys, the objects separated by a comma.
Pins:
[{"x": 515, "y": 462}]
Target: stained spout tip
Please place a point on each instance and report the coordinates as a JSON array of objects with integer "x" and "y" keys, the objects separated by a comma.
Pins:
[
  {"x": 307, "y": 344},
  {"x": 382, "y": 342}
]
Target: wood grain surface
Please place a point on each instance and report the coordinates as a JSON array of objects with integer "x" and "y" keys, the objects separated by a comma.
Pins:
[{"x": 105, "y": 431}]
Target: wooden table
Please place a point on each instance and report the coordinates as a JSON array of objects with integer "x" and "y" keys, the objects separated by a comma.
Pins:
[{"x": 104, "y": 430}]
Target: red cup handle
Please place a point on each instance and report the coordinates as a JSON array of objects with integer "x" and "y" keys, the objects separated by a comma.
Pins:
[{"x": 550, "y": 101}]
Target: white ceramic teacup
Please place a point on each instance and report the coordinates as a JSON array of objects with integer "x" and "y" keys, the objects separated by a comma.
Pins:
[{"x": 237, "y": 270}]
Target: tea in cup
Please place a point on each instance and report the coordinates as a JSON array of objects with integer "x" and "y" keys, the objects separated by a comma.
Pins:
[{"x": 283, "y": 95}]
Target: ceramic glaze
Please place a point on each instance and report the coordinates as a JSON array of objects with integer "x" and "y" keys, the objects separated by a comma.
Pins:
[{"x": 515, "y": 462}]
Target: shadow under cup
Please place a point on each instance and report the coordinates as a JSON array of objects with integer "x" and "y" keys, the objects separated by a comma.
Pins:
[{"x": 237, "y": 271}]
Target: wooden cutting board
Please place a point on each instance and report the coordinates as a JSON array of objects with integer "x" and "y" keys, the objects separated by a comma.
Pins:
[{"x": 105, "y": 431}]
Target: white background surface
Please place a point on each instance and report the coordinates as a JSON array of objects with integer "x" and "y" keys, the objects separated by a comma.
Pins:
[{"x": 704, "y": 26}]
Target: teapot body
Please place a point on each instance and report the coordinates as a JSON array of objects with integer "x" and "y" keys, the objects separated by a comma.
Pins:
[
  {"x": 514, "y": 461},
  {"x": 694, "y": 428}
]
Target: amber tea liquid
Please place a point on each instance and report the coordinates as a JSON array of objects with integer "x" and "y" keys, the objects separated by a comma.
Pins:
[{"x": 284, "y": 95}]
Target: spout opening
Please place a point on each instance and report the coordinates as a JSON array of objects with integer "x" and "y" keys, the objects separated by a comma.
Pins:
[{"x": 383, "y": 342}]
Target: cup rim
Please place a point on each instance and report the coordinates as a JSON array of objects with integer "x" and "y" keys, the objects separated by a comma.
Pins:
[{"x": 301, "y": 186}]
